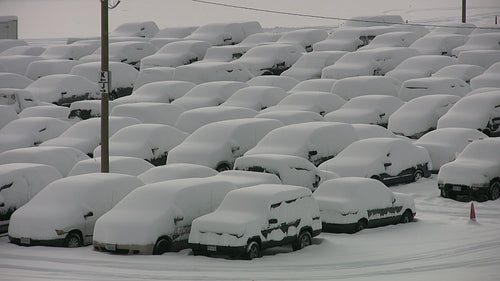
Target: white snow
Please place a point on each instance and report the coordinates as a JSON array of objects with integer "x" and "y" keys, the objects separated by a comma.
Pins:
[
  {"x": 351, "y": 87},
  {"x": 117, "y": 164}
]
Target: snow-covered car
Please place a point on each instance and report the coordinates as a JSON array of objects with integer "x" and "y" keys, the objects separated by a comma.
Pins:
[
  {"x": 6, "y": 44},
  {"x": 85, "y": 109},
  {"x": 365, "y": 131},
  {"x": 270, "y": 59},
  {"x": 149, "y": 112},
  {"x": 315, "y": 141},
  {"x": 49, "y": 110},
  {"x": 464, "y": 72},
  {"x": 85, "y": 135},
  {"x": 158, "y": 91},
  {"x": 190, "y": 120},
  {"x": 144, "y": 29},
  {"x": 305, "y": 37},
  {"x": 225, "y": 33},
  {"x": 30, "y": 131},
  {"x": 176, "y": 53},
  {"x": 19, "y": 182},
  {"x": 351, "y": 87},
  {"x": 479, "y": 111},
  {"x": 351, "y": 204},
  {"x": 289, "y": 117},
  {"x": 420, "y": 66},
  {"x": 25, "y": 50},
  {"x": 318, "y": 84},
  {"x": 18, "y": 99},
  {"x": 310, "y": 65},
  {"x": 289, "y": 169},
  {"x": 130, "y": 52},
  {"x": 390, "y": 160},
  {"x": 485, "y": 41},
  {"x": 217, "y": 145},
  {"x": 63, "y": 89},
  {"x": 254, "y": 218},
  {"x": 246, "y": 178},
  {"x": 314, "y": 101},
  {"x": 392, "y": 39},
  {"x": 7, "y": 114},
  {"x": 351, "y": 38},
  {"x": 65, "y": 211},
  {"x": 157, "y": 217},
  {"x": 117, "y": 164},
  {"x": 483, "y": 58},
  {"x": 67, "y": 52},
  {"x": 62, "y": 158},
  {"x": 489, "y": 78},
  {"x": 376, "y": 62},
  {"x": 370, "y": 109},
  {"x": 284, "y": 82},
  {"x": 14, "y": 80},
  {"x": 122, "y": 80},
  {"x": 41, "y": 68},
  {"x": 445, "y": 144},
  {"x": 209, "y": 94},
  {"x": 150, "y": 142},
  {"x": 17, "y": 63},
  {"x": 226, "y": 53},
  {"x": 474, "y": 173},
  {"x": 420, "y": 115},
  {"x": 208, "y": 71},
  {"x": 154, "y": 74},
  {"x": 438, "y": 43},
  {"x": 256, "y": 97},
  {"x": 426, "y": 86},
  {"x": 176, "y": 171}
]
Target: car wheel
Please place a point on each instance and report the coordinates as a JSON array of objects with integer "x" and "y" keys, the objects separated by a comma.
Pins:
[
  {"x": 495, "y": 190},
  {"x": 444, "y": 194},
  {"x": 418, "y": 174},
  {"x": 223, "y": 167},
  {"x": 302, "y": 241},
  {"x": 253, "y": 250},
  {"x": 360, "y": 225},
  {"x": 407, "y": 217},
  {"x": 73, "y": 240},
  {"x": 161, "y": 246}
]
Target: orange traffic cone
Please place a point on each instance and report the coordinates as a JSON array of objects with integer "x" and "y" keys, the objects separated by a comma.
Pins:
[{"x": 472, "y": 212}]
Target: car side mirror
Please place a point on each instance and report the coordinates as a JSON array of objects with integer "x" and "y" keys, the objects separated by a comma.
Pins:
[
  {"x": 89, "y": 214},
  {"x": 234, "y": 149},
  {"x": 178, "y": 219},
  {"x": 387, "y": 164},
  {"x": 271, "y": 221},
  {"x": 313, "y": 153}
]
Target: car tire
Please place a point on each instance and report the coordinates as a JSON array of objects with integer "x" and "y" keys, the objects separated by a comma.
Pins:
[
  {"x": 302, "y": 241},
  {"x": 223, "y": 167},
  {"x": 253, "y": 250},
  {"x": 444, "y": 193},
  {"x": 73, "y": 240},
  {"x": 495, "y": 190},
  {"x": 362, "y": 223},
  {"x": 418, "y": 174},
  {"x": 407, "y": 217},
  {"x": 162, "y": 246}
]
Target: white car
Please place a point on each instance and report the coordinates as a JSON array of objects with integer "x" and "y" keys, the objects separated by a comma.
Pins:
[
  {"x": 222, "y": 33},
  {"x": 485, "y": 41},
  {"x": 352, "y": 87},
  {"x": 190, "y": 120},
  {"x": 176, "y": 53},
  {"x": 489, "y": 78},
  {"x": 254, "y": 218},
  {"x": 284, "y": 82},
  {"x": 419, "y": 87},
  {"x": 256, "y": 97},
  {"x": 464, "y": 72},
  {"x": 438, "y": 43},
  {"x": 18, "y": 99},
  {"x": 310, "y": 65},
  {"x": 149, "y": 112},
  {"x": 305, "y": 37},
  {"x": 209, "y": 71},
  {"x": 351, "y": 204},
  {"x": 318, "y": 84},
  {"x": 156, "y": 218},
  {"x": 420, "y": 66},
  {"x": 351, "y": 38},
  {"x": 41, "y": 68},
  {"x": 314, "y": 101},
  {"x": 65, "y": 211},
  {"x": 176, "y": 171},
  {"x": 158, "y": 91},
  {"x": 117, "y": 164},
  {"x": 130, "y": 52},
  {"x": 14, "y": 80},
  {"x": 392, "y": 39},
  {"x": 474, "y": 173},
  {"x": 289, "y": 117}
]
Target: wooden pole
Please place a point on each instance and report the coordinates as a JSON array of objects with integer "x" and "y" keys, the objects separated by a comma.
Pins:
[{"x": 105, "y": 79}]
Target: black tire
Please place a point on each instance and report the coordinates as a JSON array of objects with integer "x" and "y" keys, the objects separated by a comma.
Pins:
[
  {"x": 444, "y": 194},
  {"x": 223, "y": 167},
  {"x": 494, "y": 190},
  {"x": 162, "y": 246},
  {"x": 302, "y": 241},
  {"x": 362, "y": 223},
  {"x": 253, "y": 250},
  {"x": 73, "y": 240},
  {"x": 418, "y": 174},
  {"x": 407, "y": 217}
]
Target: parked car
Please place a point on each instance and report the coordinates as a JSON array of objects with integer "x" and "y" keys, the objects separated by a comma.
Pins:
[
  {"x": 315, "y": 141},
  {"x": 254, "y": 218},
  {"x": 352, "y": 87},
  {"x": 290, "y": 169},
  {"x": 420, "y": 115},
  {"x": 176, "y": 171},
  {"x": 488, "y": 78},
  {"x": 217, "y": 145},
  {"x": 117, "y": 164},
  {"x": 474, "y": 173},
  {"x": 483, "y": 58},
  {"x": 351, "y": 204},
  {"x": 151, "y": 142},
  {"x": 67, "y": 52},
  {"x": 41, "y": 68},
  {"x": 62, "y": 158},
  {"x": 420, "y": 66},
  {"x": 30, "y": 131},
  {"x": 438, "y": 43},
  {"x": 7, "y": 114},
  {"x": 318, "y": 84},
  {"x": 390, "y": 160},
  {"x": 25, "y": 50},
  {"x": 17, "y": 63},
  {"x": 18, "y": 99},
  {"x": 85, "y": 109},
  {"x": 49, "y": 110},
  {"x": 305, "y": 37},
  {"x": 464, "y": 72},
  {"x": 485, "y": 41},
  {"x": 190, "y": 120},
  {"x": 317, "y": 102},
  {"x": 65, "y": 211},
  {"x": 229, "y": 33},
  {"x": 310, "y": 65},
  {"x": 370, "y": 109},
  {"x": 289, "y": 117},
  {"x": 19, "y": 182},
  {"x": 149, "y": 112},
  {"x": 210, "y": 71},
  {"x": 14, "y": 80},
  {"x": 176, "y": 53},
  {"x": 392, "y": 39},
  {"x": 351, "y": 38},
  {"x": 256, "y": 97},
  {"x": 209, "y": 94},
  {"x": 158, "y": 91},
  {"x": 144, "y": 29},
  {"x": 479, "y": 111},
  {"x": 445, "y": 144},
  {"x": 246, "y": 178},
  {"x": 419, "y": 87},
  {"x": 157, "y": 217},
  {"x": 284, "y": 82},
  {"x": 130, "y": 52},
  {"x": 154, "y": 74}
]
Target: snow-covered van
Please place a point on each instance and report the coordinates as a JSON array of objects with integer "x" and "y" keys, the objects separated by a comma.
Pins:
[{"x": 253, "y": 218}]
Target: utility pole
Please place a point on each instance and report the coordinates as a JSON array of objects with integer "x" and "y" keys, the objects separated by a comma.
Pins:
[
  {"x": 104, "y": 82},
  {"x": 464, "y": 8}
]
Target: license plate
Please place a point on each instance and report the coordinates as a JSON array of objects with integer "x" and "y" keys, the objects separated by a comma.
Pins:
[
  {"x": 110, "y": 247},
  {"x": 25, "y": 240},
  {"x": 212, "y": 248},
  {"x": 457, "y": 188}
]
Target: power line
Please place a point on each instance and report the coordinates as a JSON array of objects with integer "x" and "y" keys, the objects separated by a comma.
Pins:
[{"x": 329, "y": 18}]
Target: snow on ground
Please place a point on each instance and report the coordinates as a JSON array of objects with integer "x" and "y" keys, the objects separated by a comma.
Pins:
[{"x": 442, "y": 244}]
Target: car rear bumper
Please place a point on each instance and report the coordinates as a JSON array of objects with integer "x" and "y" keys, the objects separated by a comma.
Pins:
[
  {"x": 208, "y": 250},
  {"x": 36, "y": 242},
  {"x": 453, "y": 190}
]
